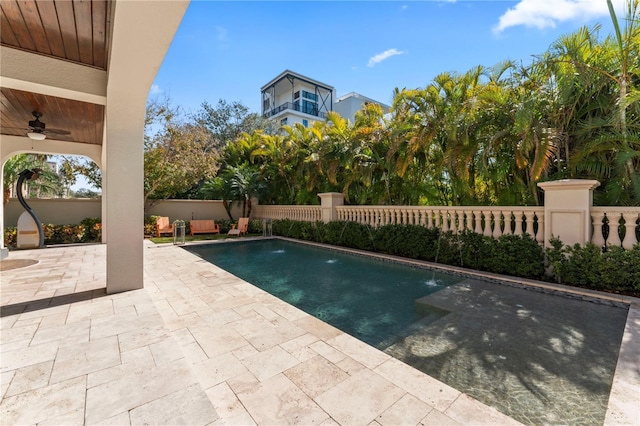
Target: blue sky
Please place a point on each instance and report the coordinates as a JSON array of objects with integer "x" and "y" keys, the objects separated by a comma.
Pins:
[{"x": 228, "y": 50}]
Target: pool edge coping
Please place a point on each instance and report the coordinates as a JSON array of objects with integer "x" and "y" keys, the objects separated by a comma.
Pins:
[{"x": 623, "y": 406}]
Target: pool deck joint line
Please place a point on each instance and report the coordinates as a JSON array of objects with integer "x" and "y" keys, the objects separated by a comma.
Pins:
[{"x": 198, "y": 345}]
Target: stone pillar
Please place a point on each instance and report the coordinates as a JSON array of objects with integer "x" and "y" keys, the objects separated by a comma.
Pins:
[
  {"x": 328, "y": 202},
  {"x": 567, "y": 210}
]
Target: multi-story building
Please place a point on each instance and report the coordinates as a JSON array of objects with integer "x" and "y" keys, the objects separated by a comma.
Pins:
[
  {"x": 349, "y": 104},
  {"x": 293, "y": 98}
]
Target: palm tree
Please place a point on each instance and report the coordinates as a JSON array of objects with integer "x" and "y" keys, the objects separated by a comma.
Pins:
[{"x": 48, "y": 181}]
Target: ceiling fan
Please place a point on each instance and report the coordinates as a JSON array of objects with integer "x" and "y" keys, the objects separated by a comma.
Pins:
[{"x": 38, "y": 130}]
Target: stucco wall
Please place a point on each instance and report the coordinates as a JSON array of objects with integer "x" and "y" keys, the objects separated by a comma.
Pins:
[{"x": 67, "y": 211}]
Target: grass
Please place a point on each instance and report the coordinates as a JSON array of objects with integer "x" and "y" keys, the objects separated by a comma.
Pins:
[{"x": 202, "y": 237}]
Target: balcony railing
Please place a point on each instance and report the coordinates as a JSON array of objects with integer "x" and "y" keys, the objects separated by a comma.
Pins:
[{"x": 295, "y": 107}]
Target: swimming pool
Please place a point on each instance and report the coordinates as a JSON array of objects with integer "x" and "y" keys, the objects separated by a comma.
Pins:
[
  {"x": 372, "y": 301},
  {"x": 536, "y": 357}
]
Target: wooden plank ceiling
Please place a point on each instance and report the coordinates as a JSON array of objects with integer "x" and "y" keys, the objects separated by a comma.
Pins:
[{"x": 71, "y": 30}]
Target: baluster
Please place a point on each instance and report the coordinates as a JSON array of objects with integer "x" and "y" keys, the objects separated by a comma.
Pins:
[
  {"x": 529, "y": 223},
  {"x": 597, "y": 238},
  {"x": 630, "y": 230},
  {"x": 540, "y": 233},
  {"x": 429, "y": 218},
  {"x": 478, "y": 219},
  {"x": 498, "y": 229},
  {"x": 445, "y": 220},
  {"x": 453, "y": 222},
  {"x": 487, "y": 232},
  {"x": 614, "y": 224},
  {"x": 518, "y": 219},
  {"x": 508, "y": 222}
]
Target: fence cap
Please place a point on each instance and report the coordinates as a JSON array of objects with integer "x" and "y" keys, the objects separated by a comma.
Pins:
[{"x": 569, "y": 184}]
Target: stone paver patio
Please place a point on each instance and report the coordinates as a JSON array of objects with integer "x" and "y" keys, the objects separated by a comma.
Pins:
[{"x": 199, "y": 346}]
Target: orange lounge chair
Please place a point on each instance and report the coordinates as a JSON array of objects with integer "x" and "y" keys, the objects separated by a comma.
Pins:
[
  {"x": 204, "y": 226},
  {"x": 163, "y": 226},
  {"x": 242, "y": 228}
]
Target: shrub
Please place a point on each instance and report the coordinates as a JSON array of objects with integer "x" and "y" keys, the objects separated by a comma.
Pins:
[
  {"x": 10, "y": 236},
  {"x": 616, "y": 270},
  {"x": 294, "y": 229},
  {"x": 92, "y": 231},
  {"x": 150, "y": 225},
  {"x": 412, "y": 241}
]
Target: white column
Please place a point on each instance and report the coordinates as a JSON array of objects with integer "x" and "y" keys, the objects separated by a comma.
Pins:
[
  {"x": 567, "y": 210},
  {"x": 328, "y": 202},
  {"x": 142, "y": 33}
]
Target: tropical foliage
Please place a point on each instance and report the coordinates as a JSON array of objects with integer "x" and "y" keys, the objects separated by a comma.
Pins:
[
  {"x": 48, "y": 183},
  {"x": 485, "y": 136},
  {"x": 182, "y": 151}
]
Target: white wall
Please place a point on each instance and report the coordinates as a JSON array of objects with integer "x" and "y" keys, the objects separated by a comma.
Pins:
[{"x": 70, "y": 211}]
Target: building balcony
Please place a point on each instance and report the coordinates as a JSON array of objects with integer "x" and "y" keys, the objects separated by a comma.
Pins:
[{"x": 291, "y": 106}]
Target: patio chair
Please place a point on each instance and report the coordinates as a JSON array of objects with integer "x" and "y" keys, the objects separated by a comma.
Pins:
[
  {"x": 163, "y": 226},
  {"x": 204, "y": 226},
  {"x": 242, "y": 228}
]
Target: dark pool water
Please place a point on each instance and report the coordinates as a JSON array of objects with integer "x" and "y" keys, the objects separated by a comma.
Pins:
[{"x": 370, "y": 299}]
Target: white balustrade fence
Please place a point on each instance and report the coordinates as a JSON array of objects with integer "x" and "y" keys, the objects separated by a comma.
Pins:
[
  {"x": 490, "y": 221},
  {"x": 615, "y": 226},
  {"x": 301, "y": 213}
]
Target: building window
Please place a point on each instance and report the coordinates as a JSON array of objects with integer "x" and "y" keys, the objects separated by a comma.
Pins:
[
  {"x": 305, "y": 123},
  {"x": 311, "y": 96},
  {"x": 309, "y": 107},
  {"x": 284, "y": 121},
  {"x": 296, "y": 95}
]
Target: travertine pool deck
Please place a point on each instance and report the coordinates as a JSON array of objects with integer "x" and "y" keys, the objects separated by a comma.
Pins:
[{"x": 199, "y": 346}]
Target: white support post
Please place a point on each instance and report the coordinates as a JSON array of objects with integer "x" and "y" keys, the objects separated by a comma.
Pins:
[
  {"x": 329, "y": 201},
  {"x": 567, "y": 210}
]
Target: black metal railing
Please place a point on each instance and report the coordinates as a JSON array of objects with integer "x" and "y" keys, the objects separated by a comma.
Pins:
[{"x": 295, "y": 107}]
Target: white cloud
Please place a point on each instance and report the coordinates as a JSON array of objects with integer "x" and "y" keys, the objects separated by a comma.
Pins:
[
  {"x": 222, "y": 34},
  {"x": 155, "y": 90},
  {"x": 376, "y": 59},
  {"x": 547, "y": 13}
]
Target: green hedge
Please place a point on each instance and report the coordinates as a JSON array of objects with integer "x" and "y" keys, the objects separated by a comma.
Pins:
[
  {"x": 89, "y": 231},
  {"x": 616, "y": 270}
]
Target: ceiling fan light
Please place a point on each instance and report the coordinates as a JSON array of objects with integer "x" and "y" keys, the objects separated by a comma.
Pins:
[{"x": 36, "y": 136}]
